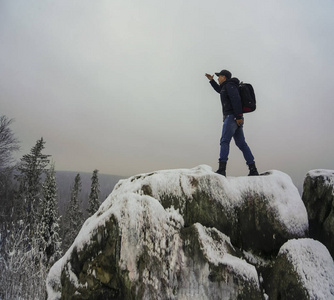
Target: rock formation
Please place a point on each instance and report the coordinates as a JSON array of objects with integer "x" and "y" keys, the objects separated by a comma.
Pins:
[
  {"x": 303, "y": 269},
  {"x": 318, "y": 197},
  {"x": 191, "y": 234}
]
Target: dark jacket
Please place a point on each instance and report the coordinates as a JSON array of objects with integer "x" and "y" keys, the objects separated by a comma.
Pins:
[{"x": 229, "y": 97}]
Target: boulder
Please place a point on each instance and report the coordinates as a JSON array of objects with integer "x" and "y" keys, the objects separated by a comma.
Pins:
[
  {"x": 318, "y": 197},
  {"x": 180, "y": 234},
  {"x": 215, "y": 268},
  {"x": 258, "y": 213},
  {"x": 303, "y": 269}
]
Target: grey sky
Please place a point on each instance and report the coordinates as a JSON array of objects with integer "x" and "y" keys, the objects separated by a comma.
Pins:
[{"x": 119, "y": 85}]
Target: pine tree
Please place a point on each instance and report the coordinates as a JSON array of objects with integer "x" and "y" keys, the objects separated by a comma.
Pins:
[
  {"x": 49, "y": 225},
  {"x": 24, "y": 266},
  {"x": 93, "y": 200},
  {"x": 31, "y": 168},
  {"x": 74, "y": 216}
]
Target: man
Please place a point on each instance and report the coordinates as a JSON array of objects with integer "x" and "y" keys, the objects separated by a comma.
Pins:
[{"x": 228, "y": 88}]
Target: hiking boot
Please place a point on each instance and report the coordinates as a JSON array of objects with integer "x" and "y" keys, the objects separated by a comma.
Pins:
[
  {"x": 252, "y": 170},
  {"x": 222, "y": 168}
]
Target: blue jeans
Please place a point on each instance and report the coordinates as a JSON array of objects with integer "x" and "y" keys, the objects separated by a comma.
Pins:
[{"x": 231, "y": 129}]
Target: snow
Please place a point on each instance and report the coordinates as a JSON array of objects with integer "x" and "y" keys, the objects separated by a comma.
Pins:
[
  {"x": 327, "y": 175},
  {"x": 321, "y": 172},
  {"x": 256, "y": 260},
  {"x": 285, "y": 200},
  {"x": 143, "y": 210},
  {"x": 133, "y": 210},
  {"x": 217, "y": 254},
  {"x": 314, "y": 265},
  {"x": 53, "y": 283}
]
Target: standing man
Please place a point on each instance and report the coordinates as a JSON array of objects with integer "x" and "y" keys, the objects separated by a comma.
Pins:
[{"x": 228, "y": 88}]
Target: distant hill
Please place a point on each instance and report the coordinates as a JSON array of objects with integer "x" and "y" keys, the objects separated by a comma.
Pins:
[{"x": 65, "y": 181}]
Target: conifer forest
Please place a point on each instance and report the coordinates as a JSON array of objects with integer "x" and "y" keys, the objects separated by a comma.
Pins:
[{"x": 33, "y": 234}]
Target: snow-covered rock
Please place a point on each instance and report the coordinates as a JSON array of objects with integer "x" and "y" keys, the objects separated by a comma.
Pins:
[
  {"x": 318, "y": 197},
  {"x": 304, "y": 269},
  {"x": 181, "y": 234}
]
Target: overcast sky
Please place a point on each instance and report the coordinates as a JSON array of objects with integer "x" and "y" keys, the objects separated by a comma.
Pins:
[{"x": 119, "y": 85}]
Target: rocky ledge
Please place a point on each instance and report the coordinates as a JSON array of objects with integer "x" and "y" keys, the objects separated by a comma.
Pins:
[
  {"x": 318, "y": 196},
  {"x": 193, "y": 234}
]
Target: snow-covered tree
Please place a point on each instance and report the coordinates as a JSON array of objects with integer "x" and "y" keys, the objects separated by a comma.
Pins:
[
  {"x": 49, "y": 225},
  {"x": 31, "y": 168},
  {"x": 74, "y": 215},
  {"x": 22, "y": 273},
  {"x": 24, "y": 254},
  {"x": 8, "y": 143},
  {"x": 93, "y": 201}
]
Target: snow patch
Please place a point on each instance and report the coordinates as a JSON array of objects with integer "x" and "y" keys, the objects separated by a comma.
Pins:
[
  {"x": 314, "y": 265},
  {"x": 280, "y": 194},
  {"x": 327, "y": 175},
  {"x": 217, "y": 254},
  {"x": 53, "y": 284}
]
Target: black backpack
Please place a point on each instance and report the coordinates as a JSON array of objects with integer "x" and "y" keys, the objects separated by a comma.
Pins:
[{"x": 247, "y": 96}]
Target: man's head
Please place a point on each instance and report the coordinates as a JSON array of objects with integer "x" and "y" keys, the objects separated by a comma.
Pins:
[{"x": 223, "y": 75}]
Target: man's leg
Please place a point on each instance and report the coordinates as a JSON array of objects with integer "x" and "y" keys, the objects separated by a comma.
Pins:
[
  {"x": 229, "y": 129},
  {"x": 240, "y": 141}
]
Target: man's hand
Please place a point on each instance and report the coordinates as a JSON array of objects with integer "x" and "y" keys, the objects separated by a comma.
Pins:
[
  {"x": 208, "y": 76},
  {"x": 240, "y": 122}
]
